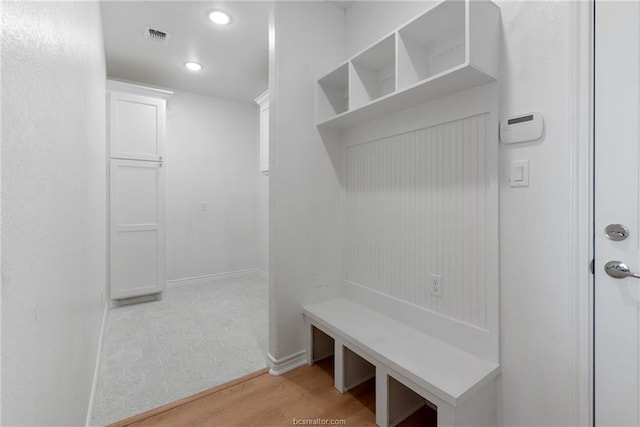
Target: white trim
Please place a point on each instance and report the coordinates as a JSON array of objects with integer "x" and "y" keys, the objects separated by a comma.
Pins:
[
  {"x": 96, "y": 371},
  {"x": 273, "y": 336},
  {"x": 264, "y": 96},
  {"x": 287, "y": 363},
  {"x": 118, "y": 85},
  {"x": 580, "y": 210},
  {"x": 196, "y": 280}
]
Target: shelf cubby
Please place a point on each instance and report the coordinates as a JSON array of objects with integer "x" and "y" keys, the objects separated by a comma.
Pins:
[
  {"x": 431, "y": 44},
  {"x": 449, "y": 48},
  {"x": 322, "y": 344},
  {"x": 372, "y": 73},
  {"x": 356, "y": 369},
  {"x": 403, "y": 402},
  {"x": 333, "y": 92}
]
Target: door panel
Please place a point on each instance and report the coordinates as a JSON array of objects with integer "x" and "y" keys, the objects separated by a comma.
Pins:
[
  {"x": 137, "y": 228},
  {"x": 135, "y": 126},
  {"x": 616, "y": 301},
  {"x": 137, "y": 193},
  {"x": 134, "y": 260}
]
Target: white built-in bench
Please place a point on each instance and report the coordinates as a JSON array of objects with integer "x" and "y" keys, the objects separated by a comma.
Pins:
[{"x": 411, "y": 368}]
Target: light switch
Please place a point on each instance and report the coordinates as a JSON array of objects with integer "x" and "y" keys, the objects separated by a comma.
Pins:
[
  {"x": 519, "y": 176},
  {"x": 517, "y": 173}
]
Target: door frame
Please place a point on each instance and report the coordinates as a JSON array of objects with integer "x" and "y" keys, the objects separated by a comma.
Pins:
[{"x": 580, "y": 210}]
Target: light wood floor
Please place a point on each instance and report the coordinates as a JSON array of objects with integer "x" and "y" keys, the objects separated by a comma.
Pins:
[{"x": 260, "y": 399}]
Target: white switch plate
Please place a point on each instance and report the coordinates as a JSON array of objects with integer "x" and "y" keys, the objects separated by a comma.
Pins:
[
  {"x": 519, "y": 173},
  {"x": 435, "y": 285}
]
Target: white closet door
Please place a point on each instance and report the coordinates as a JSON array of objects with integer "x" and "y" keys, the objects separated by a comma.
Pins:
[
  {"x": 137, "y": 228},
  {"x": 136, "y": 126}
]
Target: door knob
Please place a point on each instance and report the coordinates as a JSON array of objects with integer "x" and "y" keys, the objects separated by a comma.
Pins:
[{"x": 619, "y": 270}]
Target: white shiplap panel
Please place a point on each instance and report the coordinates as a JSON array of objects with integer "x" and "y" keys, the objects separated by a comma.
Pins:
[
  {"x": 416, "y": 205},
  {"x": 486, "y": 221}
]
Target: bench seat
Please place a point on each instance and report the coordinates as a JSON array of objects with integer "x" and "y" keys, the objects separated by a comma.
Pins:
[{"x": 429, "y": 366}]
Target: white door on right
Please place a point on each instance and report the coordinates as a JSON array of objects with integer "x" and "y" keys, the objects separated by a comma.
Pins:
[{"x": 617, "y": 225}]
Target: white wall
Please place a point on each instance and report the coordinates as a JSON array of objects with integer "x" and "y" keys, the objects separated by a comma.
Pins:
[
  {"x": 212, "y": 158},
  {"x": 304, "y": 182},
  {"x": 262, "y": 223},
  {"x": 534, "y": 284},
  {"x": 368, "y": 21},
  {"x": 535, "y": 278},
  {"x": 54, "y": 209}
]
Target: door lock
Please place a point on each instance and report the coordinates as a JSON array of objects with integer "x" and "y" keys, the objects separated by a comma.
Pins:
[{"x": 616, "y": 232}]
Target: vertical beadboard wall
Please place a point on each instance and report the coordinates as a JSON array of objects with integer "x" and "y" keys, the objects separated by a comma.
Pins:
[{"x": 416, "y": 204}]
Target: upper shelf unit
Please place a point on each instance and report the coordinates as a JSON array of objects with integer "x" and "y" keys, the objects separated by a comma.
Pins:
[{"x": 449, "y": 48}]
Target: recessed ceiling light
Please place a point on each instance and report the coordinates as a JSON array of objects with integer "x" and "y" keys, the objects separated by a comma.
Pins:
[
  {"x": 193, "y": 66},
  {"x": 219, "y": 17}
]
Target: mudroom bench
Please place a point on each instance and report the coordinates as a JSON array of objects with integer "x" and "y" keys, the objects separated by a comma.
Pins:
[{"x": 411, "y": 368}]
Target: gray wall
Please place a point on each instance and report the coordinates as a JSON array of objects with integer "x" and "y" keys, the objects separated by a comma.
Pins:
[{"x": 212, "y": 158}]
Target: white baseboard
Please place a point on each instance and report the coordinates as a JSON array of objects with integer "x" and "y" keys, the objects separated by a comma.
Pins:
[
  {"x": 287, "y": 363},
  {"x": 196, "y": 280},
  {"x": 96, "y": 370}
]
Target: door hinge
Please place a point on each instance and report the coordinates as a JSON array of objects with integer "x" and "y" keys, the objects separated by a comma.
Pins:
[{"x": 592, "y": 266}]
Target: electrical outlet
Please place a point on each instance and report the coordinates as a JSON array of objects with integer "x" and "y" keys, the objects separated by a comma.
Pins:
[{"x": 435, "y": 285}]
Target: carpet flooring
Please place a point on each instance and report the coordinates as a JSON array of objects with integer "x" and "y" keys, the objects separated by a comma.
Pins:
[{"x": 196, "y": 337}]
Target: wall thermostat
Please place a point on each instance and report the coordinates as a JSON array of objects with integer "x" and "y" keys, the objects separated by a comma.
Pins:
[{"x": 527, "y": 127}]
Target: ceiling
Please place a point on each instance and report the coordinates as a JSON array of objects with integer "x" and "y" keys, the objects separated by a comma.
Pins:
[{"x": 234, "y": 57}]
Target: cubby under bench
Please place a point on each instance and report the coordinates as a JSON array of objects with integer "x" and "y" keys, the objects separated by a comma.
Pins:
[{"x": 411, "y": 369}]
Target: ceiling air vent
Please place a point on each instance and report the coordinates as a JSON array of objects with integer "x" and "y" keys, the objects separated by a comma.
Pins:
[{"x": 156, "y": 34}]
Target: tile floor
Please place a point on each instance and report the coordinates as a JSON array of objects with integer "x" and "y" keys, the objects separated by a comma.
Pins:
[{"x": 196, "y": 337}]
